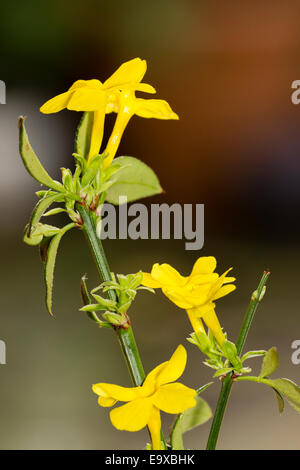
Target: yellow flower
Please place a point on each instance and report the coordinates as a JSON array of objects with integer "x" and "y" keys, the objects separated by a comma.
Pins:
[
  {"x": 92, "y": 95},
  {"x": 126, "y": 105},
  {"x": 115, "y": 94},
  {"x": 195, "y": 293},
  {"x": 157, "y": 393}
]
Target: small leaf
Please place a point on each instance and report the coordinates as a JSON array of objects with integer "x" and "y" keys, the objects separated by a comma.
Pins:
[
  {"x": 280, "y": 400},
  {"x": 188, "y": 420},
  {"x": 176, "y": 435},
  {"x": 223, "y": 371},
  {"x": 40, "y": 208},
  {"x": 195, "y": 416},
  {"x": 287, "y": 388},
  {"x": 136, "y": 180},
  {"x": 107, "y": 303},
  {"x": 204, "y": 387},
  {"x": 91, "y": 171},
  {"x": 50, "y": 264},
  {"x": 85, "y": 297},
  {"x": 231, "y": 354},
  {"x": 41, "y": 230},
  {"x": 83, "y": 135},
  {"x": 251, "y": 354},
  {"x": 113, "y": 318},
  {"x": 55, "y": 211},
  {"x": 32, "y": 163},
  {"x": 270, "y": 363}
]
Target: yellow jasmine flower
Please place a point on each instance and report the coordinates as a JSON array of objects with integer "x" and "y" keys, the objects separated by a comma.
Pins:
[
  {"x": 116, "y": 94},
  {"x": 195, "y": 293},
  {"x": 158, "y": 393},
  {"x": 93, "y": 95},
  {"x": 126, "y": 105}
]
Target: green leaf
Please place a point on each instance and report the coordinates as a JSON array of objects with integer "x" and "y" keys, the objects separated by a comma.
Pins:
[
  {"x": 204, "y": 387},
  {"x": 41, "y": 230},
  {"x": 40, "y": 208},
  {"x": 83, "y": 135},
  {"x": 55, "y": 211},
  {"x": 188, "y": 420},
  {"x": 91, "y": 171},
  {"x": 32, "y": 163},
  {"x": 251, "y": 354},
  {"x": 50, "y": 264},
  {"x": 287, "y": 388},
  {"x": 113, "y": 318},
  {"x": 231, "y": 354},
  {"x": 280, "y": 400},
  {"x": 223, "y": 371},
  {"x": 270, "y": 363},
  {"x": 136, "y": 180},
  {"x": 85, "y": 297},
  {"x": 107, "y": 303}
]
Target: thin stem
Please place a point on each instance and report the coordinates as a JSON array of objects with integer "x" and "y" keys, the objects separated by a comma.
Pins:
[
  {"x": 255, "y": 299},
  {"x": 227, "y": 382},
  {"x": 125, "y": 336}
]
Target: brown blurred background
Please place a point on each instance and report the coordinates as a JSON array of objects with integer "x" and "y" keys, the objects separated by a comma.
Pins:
[{"x": 226, "y": 69}]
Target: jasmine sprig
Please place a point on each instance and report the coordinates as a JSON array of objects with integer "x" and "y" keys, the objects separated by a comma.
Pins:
[
  {"x": 115, "y": 311},
  {"x": 227, "y": 382},
  {"x": 223, "y": 359}
]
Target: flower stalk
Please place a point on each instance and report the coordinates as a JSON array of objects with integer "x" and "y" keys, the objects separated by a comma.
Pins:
[
  {"x": 227, "y": 382},
  {"x": 125, "y": 333}
]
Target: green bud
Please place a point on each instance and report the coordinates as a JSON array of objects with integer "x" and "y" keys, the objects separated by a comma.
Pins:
[
  {"x": 67, "y": 179},
  {"x": 113, "y": 318}
]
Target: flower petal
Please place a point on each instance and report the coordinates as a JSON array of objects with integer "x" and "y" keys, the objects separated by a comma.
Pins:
[
  {"x": 158, "y": 109},
  {"x": 201, "y": 310},
  {"x": 148, "y": 281},
  {"x": 174, "y": 367},
  {"x": 56, "y": 104},
  {"x": 200, "y": 279},
  {"x": 131, "y": 71},
  {"x": 116, "y": 392},
  {"x": 174, "y": 398},
  {"x": 150, "y": 380},
  {"x": 204, "y": 265},
  {"x": 145, "y": 87},
  {"x": 91, "y": 84},
  {"x": 224, "y": 290},
  {"x": 133, "y": 416},
  {"x": 87, "y": 99},
  {"x": 106, "y": 401},
  {"x": 167, "y": 275},
  {"x": 179, "y": 300},
  {"x": 212, "y": 322}
]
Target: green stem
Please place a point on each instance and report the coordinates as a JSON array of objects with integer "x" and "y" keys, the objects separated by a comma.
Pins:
[
  {"x": 255, "y": 299},
  {"x": 125, "y": 336},
  {"x": 227, "y": 382}
]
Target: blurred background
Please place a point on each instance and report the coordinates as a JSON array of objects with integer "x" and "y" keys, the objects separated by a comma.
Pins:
[{"x": 226, "y": 69}]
